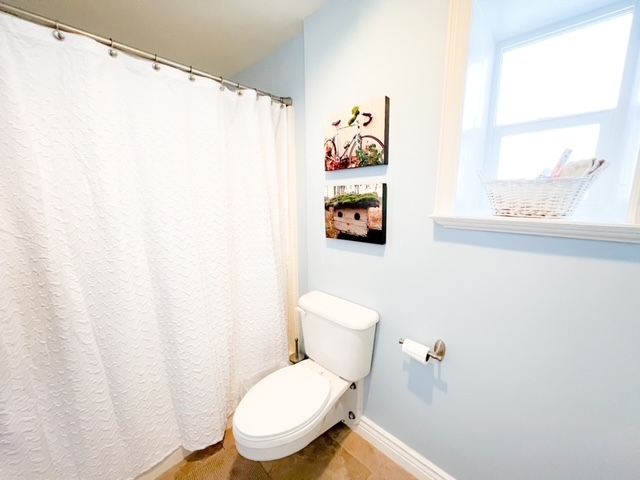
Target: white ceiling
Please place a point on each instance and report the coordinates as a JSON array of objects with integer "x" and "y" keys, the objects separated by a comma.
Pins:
[{"x": 220, "y": 37}]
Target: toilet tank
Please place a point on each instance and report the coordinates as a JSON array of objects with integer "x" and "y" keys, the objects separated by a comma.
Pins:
[{"x": 338, "y": 334}]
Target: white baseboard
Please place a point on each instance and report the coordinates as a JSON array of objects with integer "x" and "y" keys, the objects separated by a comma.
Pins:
[{"x": 399, "y": 452}]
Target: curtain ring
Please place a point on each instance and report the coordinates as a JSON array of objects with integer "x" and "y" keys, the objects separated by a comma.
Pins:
[
  {"x": 192, "y": 77},
  {"x": 112, "y": 51},
  {"x": 155, "y": 65},
  {"x": 57, "y": 34}
]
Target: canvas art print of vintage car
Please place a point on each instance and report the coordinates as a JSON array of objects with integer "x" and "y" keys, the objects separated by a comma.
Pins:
[
  {"x": 356, "y": 212},
  {"x": 357, "y": 136}
]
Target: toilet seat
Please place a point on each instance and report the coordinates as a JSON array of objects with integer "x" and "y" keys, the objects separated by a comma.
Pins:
[{"x": 281, "y": 403}]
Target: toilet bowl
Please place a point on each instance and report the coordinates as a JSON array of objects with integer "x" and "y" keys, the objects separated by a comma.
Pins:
[{"x": 288, "y": 409}]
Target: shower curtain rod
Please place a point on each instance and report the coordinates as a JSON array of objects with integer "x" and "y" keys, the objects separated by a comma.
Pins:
[{"x": 47, "y": 22}]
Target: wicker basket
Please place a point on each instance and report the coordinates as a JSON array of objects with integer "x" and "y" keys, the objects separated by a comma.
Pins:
[{"x": 537, "y": 198}]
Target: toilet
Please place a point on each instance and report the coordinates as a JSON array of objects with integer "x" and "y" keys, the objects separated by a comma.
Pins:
[{"x": 288, "y": 409}]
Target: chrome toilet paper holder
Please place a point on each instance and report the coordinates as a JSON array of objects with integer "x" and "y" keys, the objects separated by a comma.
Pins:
[{"x": 438, "y": 351}]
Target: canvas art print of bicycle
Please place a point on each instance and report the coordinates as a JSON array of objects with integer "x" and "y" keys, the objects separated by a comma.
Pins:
[{"x": 357, "y": 136}]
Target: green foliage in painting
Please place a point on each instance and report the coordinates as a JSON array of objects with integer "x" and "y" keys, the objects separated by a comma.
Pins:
[{"x": 369, "y": 155}]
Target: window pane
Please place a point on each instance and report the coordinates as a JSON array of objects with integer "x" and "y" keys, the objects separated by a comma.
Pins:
[
  {"x": 527, "y": 155},
  {"x": 575, "y": 72}
]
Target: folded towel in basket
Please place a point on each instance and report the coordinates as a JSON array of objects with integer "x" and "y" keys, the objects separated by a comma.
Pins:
[{"x": 581, "y": 168}]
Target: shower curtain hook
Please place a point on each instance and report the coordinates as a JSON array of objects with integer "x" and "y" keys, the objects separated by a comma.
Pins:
[
  {"x": 112, "y": 51},
  {"x": 155, "y": 65},
  {"x": 57, "y": 34},
  {"x": 239, "y": 89},
  {"x": 192, "y": 77},
  {"x": 222, "y": 84}
]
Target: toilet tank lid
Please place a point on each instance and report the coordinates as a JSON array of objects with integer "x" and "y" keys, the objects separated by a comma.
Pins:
[{"x": 342, "y": 312}]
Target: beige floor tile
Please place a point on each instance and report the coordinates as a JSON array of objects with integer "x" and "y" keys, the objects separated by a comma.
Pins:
[
  {"x": 381, "y": 465},
  {"x": 308, "y": 463},
  {"x": 191, "y": 461},
  {"x": 228, "y": 441},
  {"x": 170, "y": 474},
  {"x": 388, "y": 470},
  {"x": 362, "y": 450},
  {"x": 338, "y": 454},
  {"x": 225, "y": 464},
  {"x": 344, "y": 466}
]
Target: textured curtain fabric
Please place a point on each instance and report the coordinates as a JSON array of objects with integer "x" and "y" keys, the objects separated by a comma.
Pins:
[{"x": 143, "y": 237}]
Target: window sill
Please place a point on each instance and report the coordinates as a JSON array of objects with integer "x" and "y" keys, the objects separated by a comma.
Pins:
[{"x": 628, "y": 233}]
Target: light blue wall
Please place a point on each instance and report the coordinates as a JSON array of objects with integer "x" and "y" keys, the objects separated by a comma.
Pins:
[{"x": 541, "y": 378}]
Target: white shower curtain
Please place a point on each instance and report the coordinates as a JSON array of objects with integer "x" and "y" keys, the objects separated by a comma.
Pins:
[{"x": 143, "y": 241}]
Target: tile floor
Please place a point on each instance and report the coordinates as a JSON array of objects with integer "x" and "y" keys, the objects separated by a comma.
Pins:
[{"x": 338, "y": 454}]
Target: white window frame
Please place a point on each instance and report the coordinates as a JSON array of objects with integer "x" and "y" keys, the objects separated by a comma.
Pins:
[{"x": 459, "y": 28}]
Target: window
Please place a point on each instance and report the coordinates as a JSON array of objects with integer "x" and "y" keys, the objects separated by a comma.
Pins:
[
  {"x": 569, "y": 81},
  {"x": 577, "y": 69},
  {"x": 564, "y": 89}
]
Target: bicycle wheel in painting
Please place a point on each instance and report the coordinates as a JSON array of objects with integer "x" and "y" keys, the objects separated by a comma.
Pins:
[
  {"x": 331, "y": 160},
  {"x": 371, "y": 153}
]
